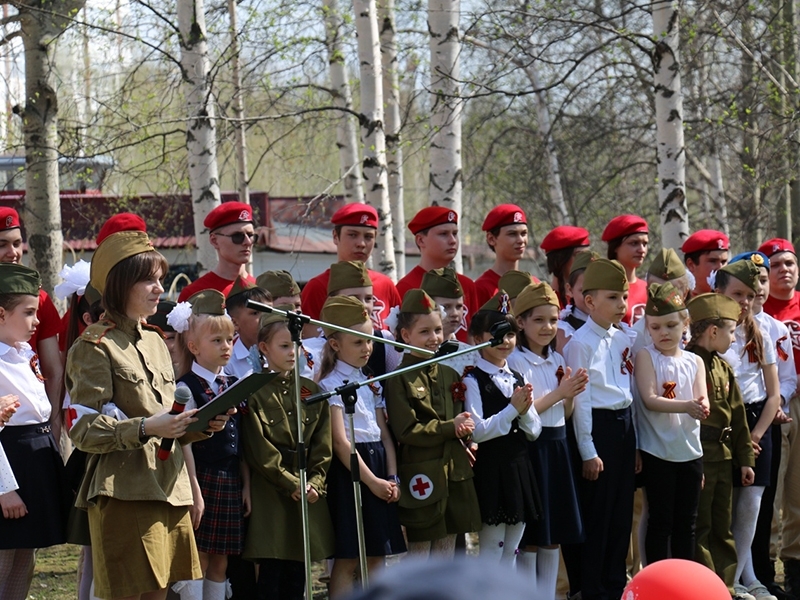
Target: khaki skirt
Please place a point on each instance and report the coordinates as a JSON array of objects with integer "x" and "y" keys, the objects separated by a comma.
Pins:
[{"x": 140, "y": 546}]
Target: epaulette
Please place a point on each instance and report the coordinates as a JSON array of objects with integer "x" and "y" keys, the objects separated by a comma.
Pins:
[
  {"x": 155, "y": 328},
  {"x": 96, "y": 332}
]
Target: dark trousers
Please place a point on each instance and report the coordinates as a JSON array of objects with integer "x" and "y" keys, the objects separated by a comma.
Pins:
[
  {"x": 607, "y": 505},
  {"x": 673, "y": 494},
  {"x": 572, "y": 552},
  {"x": 762, "y": 565},
  {"x": 242, "y": 575},
  {"x": 715, "y": 547},
  {"x": 281, "y": 579}
]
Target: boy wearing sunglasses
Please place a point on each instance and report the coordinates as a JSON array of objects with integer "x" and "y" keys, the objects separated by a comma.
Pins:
[{"x": 232, "y": 235}]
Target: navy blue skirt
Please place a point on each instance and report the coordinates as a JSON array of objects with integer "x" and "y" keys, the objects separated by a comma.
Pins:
[
  {"x": 560, "y": 522},
  {"x": 39, "y": 471},
  {"x": 382, "y": 533},
  {"x": 763, "y": 466}
]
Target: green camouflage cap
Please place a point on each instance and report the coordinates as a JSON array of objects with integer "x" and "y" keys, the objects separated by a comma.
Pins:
[{"x": 442, "y": 283}]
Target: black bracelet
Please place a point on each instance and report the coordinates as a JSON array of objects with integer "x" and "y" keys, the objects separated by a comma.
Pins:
[{"x": 142, "y": 435}]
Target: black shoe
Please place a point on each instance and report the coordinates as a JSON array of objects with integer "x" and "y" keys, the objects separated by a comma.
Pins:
[
  {"x": 779, "y": 592},
  {"x": 791, "y": 574}
]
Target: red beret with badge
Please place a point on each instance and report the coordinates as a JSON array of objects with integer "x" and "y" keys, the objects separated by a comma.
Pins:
[
  {"x": 776, "y": 245},
  {"x": 705, "y": 240},
  {"x": 505, "y": 214},
  {"x": 9, "y": 218},
  {"x": 121, "y": 222},
  {"x": 431, "y": 216},
  {"x": 227, "y": 213},
  {"x": 356, "y": 214},
  {"x": 624, "y": 225},
  {"x": 565, "y": 236}
]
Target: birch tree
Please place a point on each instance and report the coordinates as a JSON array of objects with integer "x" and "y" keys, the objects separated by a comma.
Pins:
[
  {"x": 669, "y": 126},
  {"x": 373, "y": 136},
  {"x": 201, "y": 137},
  {"x": 394, "y": 148},
  {"x": 346, "y": 138},
  {"x": 446, "y": 106}
]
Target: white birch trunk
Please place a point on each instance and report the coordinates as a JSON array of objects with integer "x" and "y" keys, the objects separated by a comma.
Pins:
[
  {"x": 346, "y": 138},
  {"x": 669, "y": 126},
  {"x": 42, "y": 209},
  {"x": 445, "y": 152},
  {"x": 394, "y": 150},
  {"x": 372, "y": 134},
  {"x": 201, "y": 138},
  {"x": 546, "y": 130},
  {"x": 718, "y": 193},
  {"x": 242, "y": 172}
]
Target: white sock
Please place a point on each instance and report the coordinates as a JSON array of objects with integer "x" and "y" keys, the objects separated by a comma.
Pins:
[
  {"x": 492, "y": 540},
  {"x": 547, "y": 572},
  {"x": 511, "y": 542},
  {"x": 213, "y": 590},
  {"x": 747, "y": 503},
  {"x": 191, "y": 589},
  {"x": 526, "y": 564}
]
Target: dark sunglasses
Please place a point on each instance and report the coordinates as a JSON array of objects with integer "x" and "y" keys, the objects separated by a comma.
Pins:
[{"x": 238, "y": 237}]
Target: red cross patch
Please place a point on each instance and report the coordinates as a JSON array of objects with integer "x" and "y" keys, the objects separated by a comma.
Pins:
[{"x": 420, "y": 486}]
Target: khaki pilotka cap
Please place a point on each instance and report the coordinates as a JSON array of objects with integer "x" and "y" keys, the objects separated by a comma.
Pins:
[
  {"x": 713, "y": 306},
  {"x": 271, "y": 317},
  {"x": 663, "y": 299},
  {"x": 207, "y": 302},
  {"x": 497, "y": 303},
  {"x": 582, "y": 259},
  {"x": 348, "y": 274},
  {"x": 604, "y": 274},
  {"x": 240, "y": 286},
  {"x": 442, "y": 283},
  {"x": 19, "y": 279},
  {"x": 746, "y": 271},
  {"x": 667, "y": 265},
  {"x": 534, "y": 295},
  {"x": 280, "y": 284},
  {"x": 113, "y": 250},
  {"x": 417, "y": 302},
  {"x": 513, "y": 282},
  {"x": 344, "y": 311}
]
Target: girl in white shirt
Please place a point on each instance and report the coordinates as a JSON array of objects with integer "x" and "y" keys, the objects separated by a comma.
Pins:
[
  {"x": 672, "y": 401},
  {"x": 501, "y": 404},
  {"x": 554, "y": 387},
  {"x": 343, "y": 358}
]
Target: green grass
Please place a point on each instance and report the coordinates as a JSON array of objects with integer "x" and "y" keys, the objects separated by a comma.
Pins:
[{"x": 55, "y": 577}]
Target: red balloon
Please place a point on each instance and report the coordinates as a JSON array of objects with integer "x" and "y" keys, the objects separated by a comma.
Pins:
[{"x": 676, "y": 579}]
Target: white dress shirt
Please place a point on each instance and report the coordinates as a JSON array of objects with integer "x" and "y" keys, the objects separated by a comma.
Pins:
[
  {"x": 780, "y": 336},
  {"x": 749, "y": 375},
  {"x": 369, "y": 400},
  {"x": 600, "y": 351},
  {"x": 541, "y": 372},
  {"x": 498, "y": 424},
  {"x": 564, "y": 325},
  {"x": 17, "y": 376},
  {"x": 238, "y": 365},
  {"x": 208, "y": 376}
]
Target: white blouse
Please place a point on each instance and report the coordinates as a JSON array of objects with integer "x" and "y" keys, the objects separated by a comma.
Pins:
[
  {"x": 541, "y": 373},
  {"x": 369, "y": 401},
  {"x": 20, "y": 375},
  {"x": 749, "y": 375}
]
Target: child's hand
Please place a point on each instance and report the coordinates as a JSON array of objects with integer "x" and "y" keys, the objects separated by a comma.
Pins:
[
  {"x": 748, "y": 476},
  {"x": 781, "y": 418},
  {"x": 381, "y": 488},
  {"x": 592, "y": 468},
  {"x": 395, "y": 493},
  {"x": 165, "y": 425},
  {"x": 246, "y": 501},
  {"x": 696, "y": 409},
  {"x": 312, "y": 494},
  {"x": 756, "y": 447},
  {"x": 464, "y": 425},
  {"x": 8, "y": 406},
  {"x": 522, "y": 398},
  {"x": 13, "y": 506},
  {"x": 196, "y": 510},
  {"x": 572, "y": 385},
  {"x": 218, "y": 423}
]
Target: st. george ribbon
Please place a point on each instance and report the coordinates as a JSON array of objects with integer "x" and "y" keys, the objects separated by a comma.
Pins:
[{"x": 182, "y": 396}]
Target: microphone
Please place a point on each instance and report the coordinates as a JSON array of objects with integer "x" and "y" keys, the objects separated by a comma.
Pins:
[
  {"x": 182, "y": 396},
  {"x": 499, "y": 331}
]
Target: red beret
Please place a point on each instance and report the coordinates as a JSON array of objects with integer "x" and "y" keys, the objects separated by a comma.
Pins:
[
  {"x": 565, "y": 236},
  {"x": 360, "y": 215},
  {"x": 9, "y": 218},
  {"x": 624, "y": 225},
  {"x": 121, "y": 222},
  {"x": 432, "y": 216},
  {"x": 227, "y": 213},
  {"x": 776, "y": 245},
  {"x": 505, "y": 214},
  {"x": 705, "y": 240}
]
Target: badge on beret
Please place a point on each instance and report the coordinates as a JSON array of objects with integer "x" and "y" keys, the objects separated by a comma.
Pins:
[
  {"x": 420, "y": 486},
  {"x": 9, "y": 221},
  {"x": 518, "y": 218},
  {"x": 451, "y": 217},
  {"x": 756, "y": 258}
]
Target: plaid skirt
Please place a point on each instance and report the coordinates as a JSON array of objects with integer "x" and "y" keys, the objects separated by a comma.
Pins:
[{"x": 221, "y": 529}]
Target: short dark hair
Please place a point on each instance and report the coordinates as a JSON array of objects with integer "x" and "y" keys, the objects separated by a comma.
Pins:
[
  {"x": 613, "y": 246},
  {"x": 483, "y": 320},
  {"x": 127, "y": 273},
  {"x": 495, "y": 232},
  {"x": 256, "y": 294},
  {"x": 10, "y": 301},
  {"x": 694, "y": 256}
]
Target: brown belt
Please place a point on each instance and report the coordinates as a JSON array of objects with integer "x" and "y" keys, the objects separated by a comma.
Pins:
[{"x": 714, "y": 434}]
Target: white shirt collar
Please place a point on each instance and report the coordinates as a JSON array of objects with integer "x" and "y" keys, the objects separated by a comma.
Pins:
[
  {"x": 240, "y": 351},
  {"x": 487, "y": 367},
  {"x": 206, "y": 374},
  {"x": 534, "y": 358},
  {"x": 346, "y": 371},
  {"x": 601, "y": 331}
]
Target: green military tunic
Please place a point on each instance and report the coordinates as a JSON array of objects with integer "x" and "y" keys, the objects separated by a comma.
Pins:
[
  {"x": 269, "y": 440},
  {"x": 715, "y": 547},
  {"x": 438, "y": 496}
]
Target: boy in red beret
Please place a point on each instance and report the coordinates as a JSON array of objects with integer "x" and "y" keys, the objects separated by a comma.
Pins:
[
  {"x": 506, "y": 230},
  {"x": 627, "y": 237},
  {"x": 435, "y": 230},
  {"x": 232, "y": 235},
  {"x": 705, "y": 251},
  {"x": 45, "y": 340},
  {"x": 355, "y": 226},
  {"x": 559, "y": 246}
]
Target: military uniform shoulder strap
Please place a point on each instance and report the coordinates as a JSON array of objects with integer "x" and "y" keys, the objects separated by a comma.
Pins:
[{"x": 96, "y": 332}]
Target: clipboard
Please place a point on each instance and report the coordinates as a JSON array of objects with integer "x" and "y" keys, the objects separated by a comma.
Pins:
[{"x": 232, "y": 396}]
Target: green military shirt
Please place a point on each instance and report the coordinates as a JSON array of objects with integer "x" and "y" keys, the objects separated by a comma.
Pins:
[
  {"x": 123, "y": 363},
  {"x": 727, "y": 410}
]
